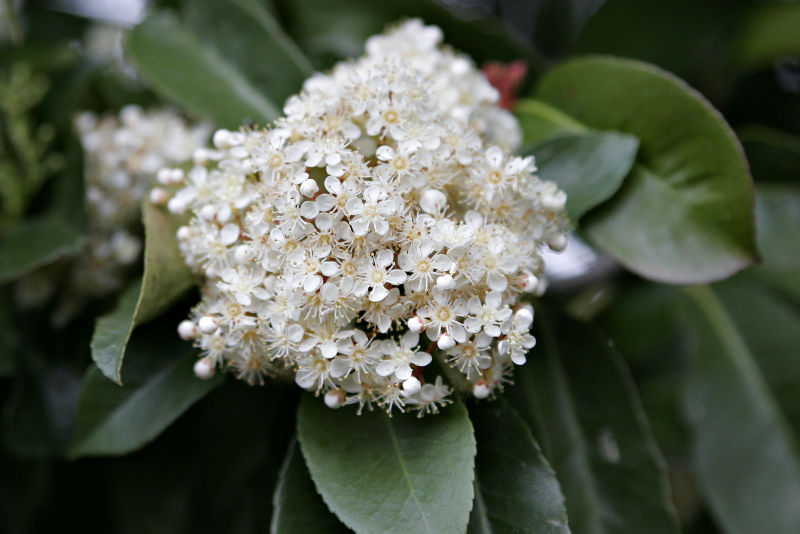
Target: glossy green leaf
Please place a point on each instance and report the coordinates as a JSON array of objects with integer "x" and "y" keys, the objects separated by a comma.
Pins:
[
  {"x": 589, "y": 166},
  {"x": 390, "y": 475},
  {"x": 772, "y": 335},
  {"x": 774, "y": 155},
  {"x": 684, "y": 214},
  {"x": 166, "y": 277},
  {"x": 330, "y": 31},
  {"x": 516, "y": 490},
  {"x": 778, "y": 216},
  {"x": 767, "y": 31},
  {"x": 35, "y": 243},
  {"x": 576, "y": 394},
  {"x": 222, "y": 67},
  {"x": 115, "y": 419},
  {"x": 744, "y": 456},
  {"x": 540, "y": 121},
  {"x": 297, "y": 507}
]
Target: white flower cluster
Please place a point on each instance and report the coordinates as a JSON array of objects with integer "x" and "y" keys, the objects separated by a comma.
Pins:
[
  {"x": 383, "y": 206},
  {"x": 121, "y": 158}
]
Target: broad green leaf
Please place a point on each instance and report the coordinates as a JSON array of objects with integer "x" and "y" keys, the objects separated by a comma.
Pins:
[
  {"x": 246, "y": 34},
  {"x": 516, "y": 490},
  {"x": 540, "y": 121},
  {"x": 684, "y": 214},
  {"x": 589, "y": 166},
  {"x": 35, "y": 243},
  {"x": 38, "y": 415},
  {"x": 745, "y": 458},
  {"x": 219, "y": 71},
  {"x": 768, "y": 30},
  {"x": 390, "y": 475},
  {"x": 165, "y": 278},
  {"x": 642, "y": 323},
  {"x": 773, "y": 155},
  {"x": 580, "y": 401},
  {"x": 297, "y": 507},
  {"x": 329, "y": 31},
  {"x": 9, "y": 340},
  {"x": 778, "y": 216},
  {"x": 772, "y": 335},
  {"x": 115, "y": 420}
]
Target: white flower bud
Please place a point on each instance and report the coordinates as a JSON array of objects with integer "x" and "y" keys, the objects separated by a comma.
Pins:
[
  {"x": 445, "y": 341},
  {"x": 187, "y": 330},
  {"x": 204, "y": 368},
  {"x": 177, "y": 206},
  {"x": 529, "y": 282},
  {"x": 558, "y": 242},
  {"x": 163, "y": 176},
  {"x": 433, "y": 201},
  {"x": 446, "y": 282},
  {"x": 412, "y": 385},
  {"x": 524, "y": 316},
  {"x": 309, "y": 188},
  {"x": 208, "y": 212},
  {"x": 481, "y": 389},
  {"x": 183, "y": 233},
  {"x": 175, "y": 176},
  {"x": 554, "y": 201},
  {"x": 229, "y": 234},
  {"x": 159, "y": 196},
  {"x": 243, "y": 254},
  {"x": 207, "y": 324},
  {"x": 416, "y": 325},
  {"x": 334, "y": 398}
]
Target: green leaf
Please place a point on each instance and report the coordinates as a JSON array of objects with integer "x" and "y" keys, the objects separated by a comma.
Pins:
[
  {"x": 223, "y": 66},
  {"x": 165, "y": 278},
  {"x": 580, "y": 401},
  {"x": 772, "y": 335},
  {"x": 684, "y": 214},
  {"x": 589, "y": 166},
  {"x": 115, "y": 420},
  {"x": 540, "y": 121},
  {"x": 330, "y": 31},
  {"x": 516, "y": 490},
  {"x": 774, "y": 155},
  {"x": 35, "y": 243},
  {"x": 390, "y": 475},
  {"x": 298, "y": 508},
  {"x": 767, "y": 31},
  {"x": 745, "y": 459},
  {"x": 778, "y": 216}
]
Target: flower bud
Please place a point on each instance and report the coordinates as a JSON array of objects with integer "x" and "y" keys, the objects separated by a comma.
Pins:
[
  {"x": 187, "y": 330},
  {"x": 446, "y": 341},
  {"x": 183, "y": 233},
  {"x": 159, "y": 196},
  {"x": 446, "y": 282},
  {"x": 557, "y": 242},
  {"x": 309, "y": 188},
  {"x": 412, "y": 385},
  {"x": 204, "y": 368},
  {"x": 334, "y": 398},
  {"x": 416, "y": 325},
  {"x": 207, "y": 324},
  {"x": 433, "y": 201},
  {"x": 524, "y": 316},
  {"x": 481, "y": 389}
]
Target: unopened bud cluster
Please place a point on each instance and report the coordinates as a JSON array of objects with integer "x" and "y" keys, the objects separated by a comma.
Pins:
[
  {"x": 122, "y": 156},
  {"x": 381, "y": 222}
]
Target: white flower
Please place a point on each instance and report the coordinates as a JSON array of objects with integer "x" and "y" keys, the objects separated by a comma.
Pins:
[
  {"x": 400, "y": 357},
  {"x": 385, "y": 203},
  {"x": 488, "y": 316}
]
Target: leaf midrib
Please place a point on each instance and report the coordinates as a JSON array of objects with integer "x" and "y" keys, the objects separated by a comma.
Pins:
[
  {"x": 406, "y": 474},
  {"x": 571, "y": 424}
]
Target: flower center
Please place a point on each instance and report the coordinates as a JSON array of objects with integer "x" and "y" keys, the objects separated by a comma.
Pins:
[
  {"x": 443, "y": 314},
  {"x": 495, "y": 177},
  {"x": 390, "y": 116},
  {"x": 424, "y": 266}
]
